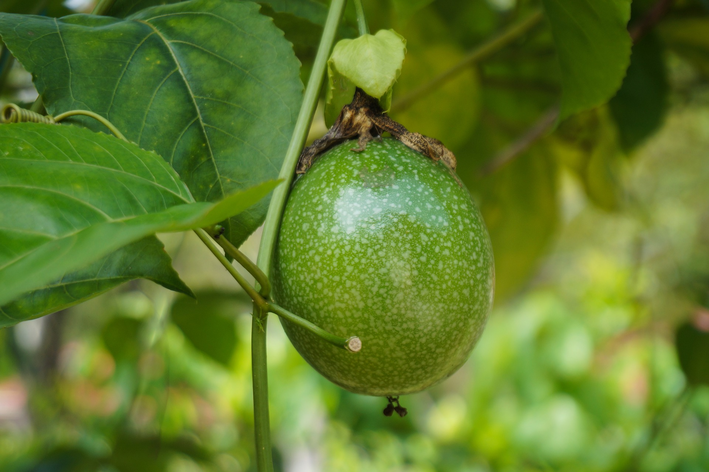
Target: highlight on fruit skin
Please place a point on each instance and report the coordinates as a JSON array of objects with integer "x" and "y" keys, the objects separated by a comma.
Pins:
[{"x": 389, "y": 245}]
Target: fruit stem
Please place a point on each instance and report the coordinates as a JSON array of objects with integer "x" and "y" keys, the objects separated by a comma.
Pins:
[
  {"x": 361, "y": 19},
  {"x": 255, "y": 296},
  {"x": 352, "y": 344},
  {"x": 481, "y": 52},
  {"x": 246, "y": 263},
  {"x": 264, "y": 457}
]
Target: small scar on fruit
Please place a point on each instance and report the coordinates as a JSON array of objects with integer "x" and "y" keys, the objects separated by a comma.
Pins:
[
  {"x": 394, "y": 406},
  {"x": 363, "y": 119}
]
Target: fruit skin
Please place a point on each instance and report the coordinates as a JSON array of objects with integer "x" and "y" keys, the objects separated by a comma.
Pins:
[{"x": 386, "y": 245}]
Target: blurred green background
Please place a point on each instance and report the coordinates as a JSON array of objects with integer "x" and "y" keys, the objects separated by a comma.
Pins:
[{"x": 596, "y": 356}]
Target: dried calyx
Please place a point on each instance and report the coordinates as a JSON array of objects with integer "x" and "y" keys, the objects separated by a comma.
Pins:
[{"x": 363, "y": 119}]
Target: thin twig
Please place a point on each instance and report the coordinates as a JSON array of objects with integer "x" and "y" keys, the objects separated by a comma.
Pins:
[
  {"x": 262, "y": 435},
  {"x": 658, "y": 11},
  {"x": 476, "y": 55},
  {"x": 523, "y": 142},
  {"x": 246, "y": 263},
  {"x": 540, "y": 128},
  {"x": 209, "y": 242},
  {"x": 96, "y": 117},
  {"x": 352, "y": 344}
]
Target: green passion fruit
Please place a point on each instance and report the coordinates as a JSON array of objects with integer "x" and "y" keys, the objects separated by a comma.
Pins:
[{"x": 387, "y": 245}]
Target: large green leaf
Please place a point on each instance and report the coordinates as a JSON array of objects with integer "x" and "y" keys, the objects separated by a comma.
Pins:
[
  {"x": 640, "y": 105},
  {"x": 300, "y": 20},
  {"x": 311, "y": 10},
  {"x": 221, "y": 112},
  {"x": 593, "y": 47},
  {"x": 124, "y": 8},
  {"x": 73, "y": 196}
]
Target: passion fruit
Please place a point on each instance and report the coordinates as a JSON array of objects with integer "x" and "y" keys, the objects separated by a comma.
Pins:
[{"x": 387, "y": 245}]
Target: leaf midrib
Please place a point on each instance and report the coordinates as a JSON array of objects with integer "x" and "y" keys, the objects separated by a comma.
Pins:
[{"x": 178, "y": 65}]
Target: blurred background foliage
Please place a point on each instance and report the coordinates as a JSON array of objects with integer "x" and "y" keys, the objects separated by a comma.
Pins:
[{"x": 596, "y": 357}]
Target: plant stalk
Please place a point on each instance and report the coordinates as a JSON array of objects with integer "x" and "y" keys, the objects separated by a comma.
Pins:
[
  {"x": 352, "y": 344},
  {"x": 248, "y": 264},
  {"x": 300, "y": 133},
  {"x": 361, "y": 19},
  {"x": 478, "y": 54},
  {"x": 264, "y": 458},
  {"x": 255, "y": 296},
  {"x": 262, "y": 421},
  {"x": 93, "y": 115}
]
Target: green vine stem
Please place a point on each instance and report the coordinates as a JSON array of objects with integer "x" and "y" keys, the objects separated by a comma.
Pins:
[
  {"x": 300, "y": 133},
  {"x": 264, "y": 458},
  {"x": 361, "y": 19},
  {"x": 476, "y": 55},
  {"x": 12, "y": 113},
  {"x": 352, "y": 344},
  {"x": 96, "y": 117},
  {"x": 259, "y": 301},
  {"x": 245, "y": 262},
  {"x": 259, "y": 373}
]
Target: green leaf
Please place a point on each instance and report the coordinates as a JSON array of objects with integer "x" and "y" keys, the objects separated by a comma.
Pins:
[
  {"x": 593, "y": 47},
  {"x": 74, "y": 196},
  {"x": 693, "y": 353},
  {"x": 208, "y": 322},
  {"x": 124, "y": 8},
  {"x": 370, "y": 62},
  {"x": 221, "y": 112},
  {"x": 311, "y": 10},
  {"x": 300, "y": 20},
  {"x": 688, "y": 38},
  {"x": 640, "y": 105},
  {"x": 145, "y": 259}
]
